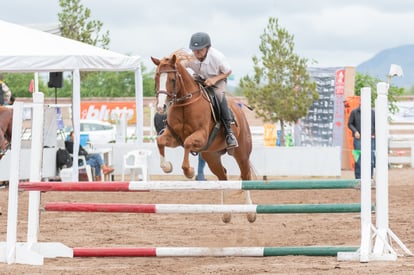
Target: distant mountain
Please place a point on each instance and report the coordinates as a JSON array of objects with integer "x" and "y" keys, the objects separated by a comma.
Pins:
[{"x": 379, "y": 65}]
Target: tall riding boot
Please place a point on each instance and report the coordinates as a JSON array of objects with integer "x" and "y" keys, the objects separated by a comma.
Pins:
[{"x": 227, "y": 120}]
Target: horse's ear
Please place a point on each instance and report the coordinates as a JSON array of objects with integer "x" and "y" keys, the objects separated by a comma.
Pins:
[
  {"x": 155, "y": 60},
  {"x": 173, "y": 59}
]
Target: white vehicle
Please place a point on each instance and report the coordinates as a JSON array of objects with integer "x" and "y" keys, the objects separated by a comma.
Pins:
[{"x": 99, "y": 132}]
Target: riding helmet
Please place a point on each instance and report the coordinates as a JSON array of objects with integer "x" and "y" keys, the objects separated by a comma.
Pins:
[{"x": 200, "y": 40}]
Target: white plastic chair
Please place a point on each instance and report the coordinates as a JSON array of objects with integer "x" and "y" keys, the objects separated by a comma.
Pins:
[
  {"x": 135, "y": 161},
  {"x": 85, "y": 166},
  {"x": 66, "y": 173}
]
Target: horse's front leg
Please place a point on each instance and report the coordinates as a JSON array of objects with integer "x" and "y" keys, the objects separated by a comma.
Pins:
[
  {"x": 187, "y": 169},
  {"x": 192, "y": 143},
  {"x": 162, "y": 141}
]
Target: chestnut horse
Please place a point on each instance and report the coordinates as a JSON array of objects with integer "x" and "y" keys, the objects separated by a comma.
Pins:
[
  {"x": 6, "y": 122},
  {"x": 190, "y": 123}
]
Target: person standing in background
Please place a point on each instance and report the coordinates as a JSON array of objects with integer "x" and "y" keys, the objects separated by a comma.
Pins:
[
  {"x": 160, "y": 119},
  {"x": 200, "y": 169},
  {"x": 354, "y": 124}
]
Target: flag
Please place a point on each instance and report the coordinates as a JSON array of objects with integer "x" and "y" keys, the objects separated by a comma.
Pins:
[
  {"x": 356, "y": 154},
  {"x": 31, "y": 86}
]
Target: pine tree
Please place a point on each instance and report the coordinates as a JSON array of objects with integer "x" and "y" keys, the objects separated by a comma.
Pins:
[{"x": 280, "y": 89}]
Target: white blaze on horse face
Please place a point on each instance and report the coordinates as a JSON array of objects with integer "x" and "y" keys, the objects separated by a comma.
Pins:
[{"x": 162, "y": 97}]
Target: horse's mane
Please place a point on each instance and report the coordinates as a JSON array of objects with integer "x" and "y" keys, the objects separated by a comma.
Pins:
[{"x": 182, "y": 55}]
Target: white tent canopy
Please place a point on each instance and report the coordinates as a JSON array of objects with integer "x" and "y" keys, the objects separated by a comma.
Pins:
[{"x": 30, "y": 50}]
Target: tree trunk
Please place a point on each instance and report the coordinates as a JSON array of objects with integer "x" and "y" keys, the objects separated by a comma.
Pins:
[{"x": 282, "y": 133}]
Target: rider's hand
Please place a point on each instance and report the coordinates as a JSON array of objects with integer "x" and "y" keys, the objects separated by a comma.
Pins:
[{"x": 209, "y": 82}]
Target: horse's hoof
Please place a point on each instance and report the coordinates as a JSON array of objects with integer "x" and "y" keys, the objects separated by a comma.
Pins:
[
  {"x": 189, "y": 173},
  {"x": 167, "y": 168},
  {"x": 226, "y": 218},
  {"x": 251, "y": 217}
]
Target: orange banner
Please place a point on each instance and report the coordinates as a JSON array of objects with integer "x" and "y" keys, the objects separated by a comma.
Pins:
[{"x": 108, "y": 111}]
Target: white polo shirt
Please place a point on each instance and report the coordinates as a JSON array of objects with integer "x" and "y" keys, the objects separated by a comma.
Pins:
[{"x": 213, "y": 65}]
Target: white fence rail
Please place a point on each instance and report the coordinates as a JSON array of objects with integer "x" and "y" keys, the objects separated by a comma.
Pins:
[{"x": 401, "y": 145}]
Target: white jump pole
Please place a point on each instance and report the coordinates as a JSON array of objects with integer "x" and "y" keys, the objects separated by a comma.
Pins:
[
  {"x": 380, "y": 234},
  {"x": 365, "y": 251},
  {"x": 382, "y": 247},
  {"x": 12, "y": 213},
  {"x": 31, "y": 252},
  {"x": 381, "y": 167},
  {"x": 365, "y": 174},
  {"x": 35, "y": 165},
  {"x": 13, "y": 251}
]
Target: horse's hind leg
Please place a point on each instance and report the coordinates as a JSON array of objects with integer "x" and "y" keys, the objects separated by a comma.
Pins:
[
  {"x": 226, "y": 194},
  {"x": 226, "y": 218},
  {"x": 251, "y": 217},
  {"x": 213, "y": 160},
  {"x": 245, "y": 174}
]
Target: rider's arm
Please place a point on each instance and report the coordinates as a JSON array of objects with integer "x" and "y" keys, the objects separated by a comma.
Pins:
[{"x": 213, "y": 80}]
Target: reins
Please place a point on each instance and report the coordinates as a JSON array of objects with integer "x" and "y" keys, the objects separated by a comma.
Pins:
[{"x": 179, "y": 101}]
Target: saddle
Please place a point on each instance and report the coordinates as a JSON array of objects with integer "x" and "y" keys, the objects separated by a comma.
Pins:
[{"x": 214, "y": 101}]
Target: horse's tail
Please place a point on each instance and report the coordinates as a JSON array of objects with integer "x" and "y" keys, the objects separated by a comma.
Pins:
[{"x": 253, "y": 173}]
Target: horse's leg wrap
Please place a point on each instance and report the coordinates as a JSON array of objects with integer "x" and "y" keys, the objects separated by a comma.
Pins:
[{"x": 227, "y": 120}]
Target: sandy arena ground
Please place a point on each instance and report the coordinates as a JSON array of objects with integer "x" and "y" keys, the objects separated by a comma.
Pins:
[{"x": 148, "y": 230}]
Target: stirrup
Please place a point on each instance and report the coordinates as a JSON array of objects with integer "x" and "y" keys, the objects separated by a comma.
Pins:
[{"x": 231, "y": 141}]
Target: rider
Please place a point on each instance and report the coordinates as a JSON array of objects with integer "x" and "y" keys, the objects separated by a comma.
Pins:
[{"x": 212, "y": 66}]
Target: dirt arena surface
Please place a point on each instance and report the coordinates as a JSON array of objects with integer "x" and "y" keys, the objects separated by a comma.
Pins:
[{"x": 149, "y": 230}]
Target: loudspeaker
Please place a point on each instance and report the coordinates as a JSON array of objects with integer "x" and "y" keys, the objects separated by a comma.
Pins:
[{"x": 55, "y": 80}]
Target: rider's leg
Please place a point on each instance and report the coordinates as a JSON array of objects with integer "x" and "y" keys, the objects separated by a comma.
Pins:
[
  {"x": 200, "y": 170},
  {"x": 227, "y": 120}
]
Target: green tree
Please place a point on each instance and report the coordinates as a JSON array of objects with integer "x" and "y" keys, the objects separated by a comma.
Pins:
[
  {"x": 116, "y": 84},
  {"x": 281, "y": 89},
  {"x": 18, "y": 83},
  {"x": 109, "y": 84},
  {"x": 75, "y": 23},
  {"x": 106, "y": 84},
  {"x": 365, "y": 80},
  {"x": 148, "y": 82},
  {"x": 410, "y": 91},
  {"x": 65, "y": 91}
]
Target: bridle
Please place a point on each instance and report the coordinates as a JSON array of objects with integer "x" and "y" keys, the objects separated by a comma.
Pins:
[{"x": 173, "y": 95}]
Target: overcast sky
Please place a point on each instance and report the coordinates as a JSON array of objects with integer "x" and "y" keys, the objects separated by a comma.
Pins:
[{"x": 331, "y": 32}]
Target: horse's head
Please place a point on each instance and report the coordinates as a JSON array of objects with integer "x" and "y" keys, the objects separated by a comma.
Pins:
[
  {"x": 173, "y": 83},
  {"x": 166, "y": 80}
]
